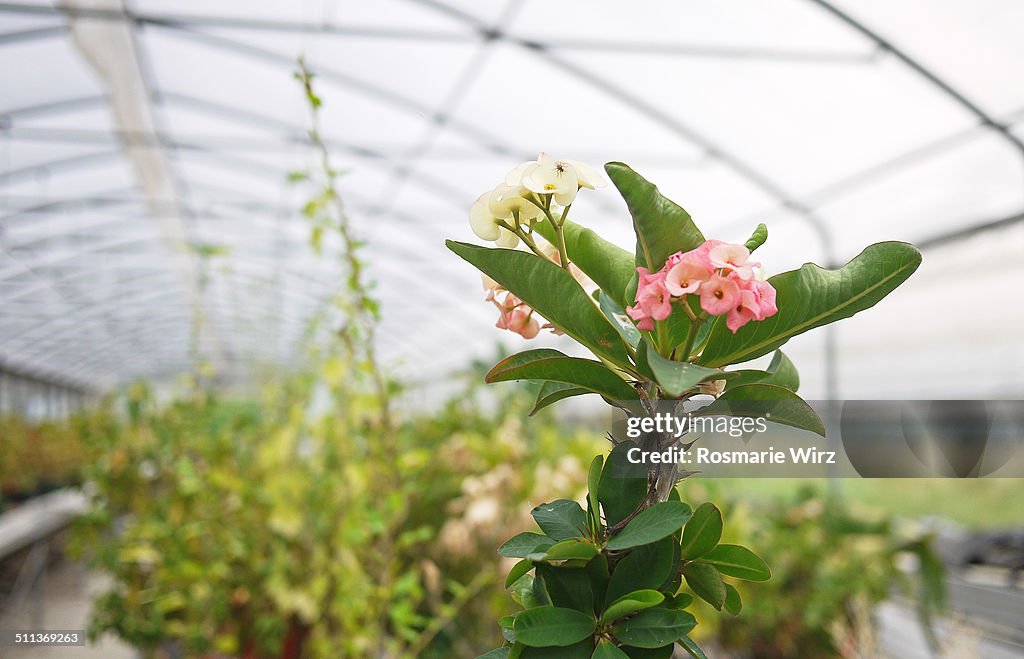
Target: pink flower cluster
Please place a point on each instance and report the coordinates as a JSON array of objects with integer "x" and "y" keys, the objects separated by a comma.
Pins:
[
  {"x": 722, "y": 275},
  {"x": 515, "y": 315}
]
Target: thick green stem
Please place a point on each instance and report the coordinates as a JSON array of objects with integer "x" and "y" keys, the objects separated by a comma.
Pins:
[{"x": 691, "y": 336}]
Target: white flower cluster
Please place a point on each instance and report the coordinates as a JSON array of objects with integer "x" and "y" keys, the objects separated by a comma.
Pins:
[{"x": 527, "y": 193}]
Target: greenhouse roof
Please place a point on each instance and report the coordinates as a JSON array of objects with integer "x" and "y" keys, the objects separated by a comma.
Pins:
[{"x": 131, "y": 129}]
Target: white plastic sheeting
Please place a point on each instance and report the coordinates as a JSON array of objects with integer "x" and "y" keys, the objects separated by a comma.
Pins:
[{"x": 837, "y": 124}]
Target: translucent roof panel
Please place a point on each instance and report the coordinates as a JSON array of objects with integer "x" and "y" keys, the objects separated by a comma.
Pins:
[{"x": 135, "y": 132}]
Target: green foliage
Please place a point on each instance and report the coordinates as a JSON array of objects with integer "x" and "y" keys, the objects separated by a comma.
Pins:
[
  {"x": 830, "y": 567},
  {"x": 610, "y": 266},
  {"x": 552, "y": 366},
  {"x": 758, "y": 238},
  {"x": 607, "y": 579},
  {"x": 39, "y": 456},
  {"x": 766, "y": 400},
  {"x": 811, "y": 297},
  {"x": 241, "y": 522},
  {"x": 619, "y": 583},
  {"x": 662, "y": 226},
  {"x": 551, "y": 291}
]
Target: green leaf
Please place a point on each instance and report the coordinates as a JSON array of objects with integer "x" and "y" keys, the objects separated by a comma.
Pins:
[
  {"x": 616, "y": 315},
  {"x": 739, "y": 562},
  {"x": 524, "y": 544},
  {"x": 597, "y": 572},
  {"x": 702, "y": 532},
  {"x": 496, "y": 653},
  {"x": 811, "y": 297},
  {"x": 733, "y": 603},
  {"x": 594, "y": 484},
  {"x": 551, "y": 291},
  {"x": 774, "y": 403},
  {"x": 568, "y": 587},
  {"x": 619, "y": 495},
  {"x": 607, "y": 650},
  {"x": 706, "y": 583},
  {"x": 676, "y": 377},
  {"x": 644, "y": 567},
  {"x": 662, "y": 227},
  {"x": 679, "y": 601},
  {"x": 780, "y": 372},
  {"x": 664, "y": 652},
  {"x": 548, "y": 364},
  {"x": 757, "y": 238},
  {"x": 606, "y": 263},
  {"x": 517, "y": 572},
  {"x": 581, "y": 650},
  {"x": 629, "y": 604},
  {"x": 548, "y": 626},
  {"x": 551, "y": 392},
  {"x": 654, "y": 628},
  {"x": 690, "y": 646},
  {"x": 650, "y": 525},
  {"x": 561, "y": 519},
  {"x": 526, "y": 594},
  {"x": 572, "y": 548}
]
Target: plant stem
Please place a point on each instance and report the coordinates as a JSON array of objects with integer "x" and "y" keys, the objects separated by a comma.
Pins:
[{"x": 691, "y": 335}]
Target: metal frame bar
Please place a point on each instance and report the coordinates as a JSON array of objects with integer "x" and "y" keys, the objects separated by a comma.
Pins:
[
  {"x": 926, "y": 73},
  {"x": 440, "y": 117},
  {"x": 34, "y": 34},
  {"x": 184, "y": 20}
]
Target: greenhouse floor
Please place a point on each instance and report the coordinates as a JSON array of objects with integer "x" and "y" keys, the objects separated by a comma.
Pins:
[{"x": 65, "y": 600}]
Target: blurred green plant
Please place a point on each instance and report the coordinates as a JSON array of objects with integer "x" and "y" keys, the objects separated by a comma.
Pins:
[
  {"x": 318, "y": 520},
  {"x": 245, "y": 528},
  {"x": 831, "y": 567},
  {"x": 37, "y": 456}
]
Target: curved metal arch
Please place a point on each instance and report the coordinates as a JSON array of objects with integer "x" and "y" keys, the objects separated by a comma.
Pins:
[
  {"x": 82, "y": 201},
  {"x": 320, "y": 28},
  {"x": 60, "y": 106},
  {"x": 745, "y": 170},
  {"x": 71, "y": 163},
  {"x": 114, "y": 345},
  {"x": 956, "y": 95},
  {"x": 34, "y": 34},
  {"x": 125, "y": 296},
  {"x": 375, "y": 159}
]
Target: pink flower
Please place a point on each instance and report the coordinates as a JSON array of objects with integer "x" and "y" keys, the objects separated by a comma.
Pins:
[
  {"x": 718, "y": 295},
  {"x": 733, "y": 258},
  {"x": 702, "y": 254},
  {"x": 653, "y": 301},
  {"x": 521, "y": 321},
  {"x": 756, "y": 302},
  {"x": 764, "y": 295},
  {"x": 686, "y": 275},
  {"x": 514, "y": 314},
  {"x": 743, "y": 312}
]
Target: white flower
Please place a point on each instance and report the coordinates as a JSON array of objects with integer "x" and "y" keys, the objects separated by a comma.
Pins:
[
  {"x": 555, "y": 177},
  {"x": 588, "y": 177},
  {"x": 509, "y": 202},
  {"x": 562, "y": 178},
  {"x": 515, "y": 177},
  {"x": 485, "y": 224}
]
